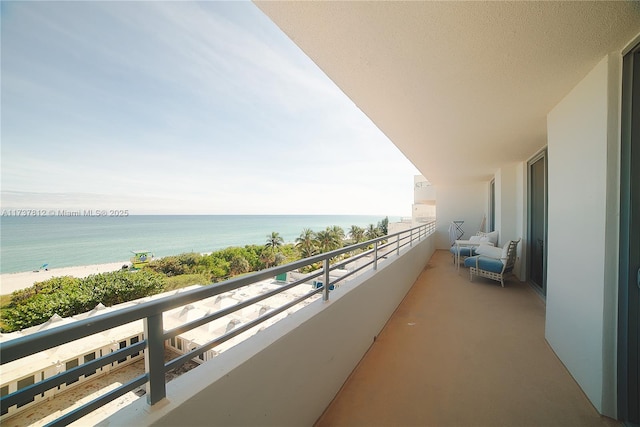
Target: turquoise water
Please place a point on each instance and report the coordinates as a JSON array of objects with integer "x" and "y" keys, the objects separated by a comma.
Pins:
[{"x": 26, "y": 243}]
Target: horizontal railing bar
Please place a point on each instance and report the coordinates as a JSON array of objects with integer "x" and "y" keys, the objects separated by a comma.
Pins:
[
  {"x": 343, "y": 277},
  {"x": 232, "y": 309},
  {"x": 178, "y": 361},
  {"x": 405, "y": 244},
  {"x": 352, "y": 259},
  {"x": 363, "y": 266},
  {"x": 99, "y": 402},
  {"x": 24, "y": 395}
]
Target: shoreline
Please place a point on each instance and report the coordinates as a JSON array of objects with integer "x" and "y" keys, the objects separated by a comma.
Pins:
[{"x": 10, "y": 282}]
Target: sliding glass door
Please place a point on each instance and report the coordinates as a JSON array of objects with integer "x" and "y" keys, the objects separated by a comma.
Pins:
[
  {"x": 629, "y": 270},
  {"x": 537, "y": 227}
]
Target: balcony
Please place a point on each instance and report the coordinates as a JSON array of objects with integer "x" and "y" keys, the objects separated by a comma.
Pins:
[
  {"x": 453, "y": 352},
  {"x": 461, "y": 353}
]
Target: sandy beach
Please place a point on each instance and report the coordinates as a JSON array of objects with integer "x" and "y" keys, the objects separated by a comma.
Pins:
[{"x": 10, "y": 282}]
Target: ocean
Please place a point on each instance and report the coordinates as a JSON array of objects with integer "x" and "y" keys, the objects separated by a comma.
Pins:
[{"x": 28, "y": 242}]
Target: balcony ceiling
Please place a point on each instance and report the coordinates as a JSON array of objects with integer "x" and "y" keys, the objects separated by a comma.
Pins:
[{"x": 459, "y": 87}]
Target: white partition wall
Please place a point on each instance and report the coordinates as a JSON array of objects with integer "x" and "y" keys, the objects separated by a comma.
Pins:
[
  {"x": 464, "y": 202},
  {"x": 509, "y": 208},
  {"x": 579, "y": 144},
  {"x": 506, "y": 203}
]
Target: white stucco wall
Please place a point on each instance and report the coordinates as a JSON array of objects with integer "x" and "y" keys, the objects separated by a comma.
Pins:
[
  {"x": 578, "y": 148},
  {"x": 521, "y": 216},
  {"x": 287, "y": 374},
  {"x": 508, "y": 207},
  {"x": 508, "y": 203},
  {"x": 466, "y": 202}
]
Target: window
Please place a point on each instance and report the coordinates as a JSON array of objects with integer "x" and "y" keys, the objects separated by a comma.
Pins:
[
  {"x": 123, "y": 344},
  {"x": 135, "y": 340},
  {"x": 25, "y": 382},
  {"x": 3, "y": 392},
  {"x": 70, "y": 365},
  {"x": 179, "y": 343},
  {"x": 88, "y": 358}
]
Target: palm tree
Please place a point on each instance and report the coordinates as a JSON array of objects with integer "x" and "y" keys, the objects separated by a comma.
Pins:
[
  {"x": 327, "y": 240},
  {"x": 306, "y": 243},
  {"x": 267, "y": 257},
  {"x": 372, "y": 232},
  {"x": 274, "y": 241},
  {"x": 383, "y": 225},
  {"x": 356, "y": 233},
  {"x": 337, "y": 231},
  {"x": 238, "y": 265}
]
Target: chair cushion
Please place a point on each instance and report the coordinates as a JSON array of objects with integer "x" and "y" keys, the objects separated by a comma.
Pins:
[
  {"x": 484, "y": 263},
  {"x": 490, "y": 251},
  {"x": 464, "y": 251},
  {"x": 505, "y": 250},
  {"x": 492, "y": 237}
]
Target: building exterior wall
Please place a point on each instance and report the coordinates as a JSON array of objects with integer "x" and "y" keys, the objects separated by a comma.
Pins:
[
  {"x": 578, "y": 148},
  {"x": 50, "y": 369},
  {"x": 466, "y": 202},
  {"x": 423, "y": 208}
]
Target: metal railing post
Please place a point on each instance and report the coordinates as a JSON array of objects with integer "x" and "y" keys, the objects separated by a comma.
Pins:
[
  {"x": 398, "y": 245},
  {"x": 375, "y": 255},
  {"x": 154, "y": 358},
  {"x": 325, "y": 292},
  {"x": 411, "y": 238}
]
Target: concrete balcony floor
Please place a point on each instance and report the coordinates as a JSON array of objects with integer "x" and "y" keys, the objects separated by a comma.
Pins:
[{"x": 461, "y": 353}]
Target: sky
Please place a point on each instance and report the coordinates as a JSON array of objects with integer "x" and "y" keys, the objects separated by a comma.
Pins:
[{"x": 181, "y": 108}]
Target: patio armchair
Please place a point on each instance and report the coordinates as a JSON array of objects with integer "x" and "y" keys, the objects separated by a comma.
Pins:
[
  {"x": 492, "y": 262},
  {"x": 467, "y": 250}
]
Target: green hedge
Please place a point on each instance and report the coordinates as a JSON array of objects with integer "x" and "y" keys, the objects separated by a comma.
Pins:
[{"x": 67, "y": 296}]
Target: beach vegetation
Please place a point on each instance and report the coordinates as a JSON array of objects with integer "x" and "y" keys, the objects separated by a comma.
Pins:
[
  {"x": 5, "y": 300},
  {"x": 305, "y": 243},
  {"x": 356, "y": 234},
  {"x": 274, "y": 241},
  {"x": 238, "y": 265},
  {"x": 288, "y": 253},
  {"x": 383, "y": 226},
  {"x": 329, "y": 239},
  {"x": 338, "y": 232},
  {"x": 372, "y": 232},
  {"x": 169, "y": 266},
  {"x": 185, "y": 280},
  {"x": 268, "y": 258},
  {"x": 66, "y": 296}
]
